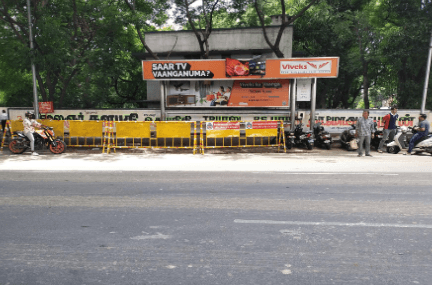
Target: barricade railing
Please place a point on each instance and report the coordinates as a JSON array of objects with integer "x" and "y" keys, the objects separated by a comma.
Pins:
[
  {"x": 108, "y": 137},
  {"x": 7, "y": 128},
  {"x": 227, "y": 134},
  {"x": 85, "y": 134},
  {"x": 159, "y": 135}
]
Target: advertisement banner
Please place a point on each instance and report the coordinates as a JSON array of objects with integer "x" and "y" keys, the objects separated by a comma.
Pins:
[
  {"x": 262, "y": 125},
  {"x": 222, "y": 129},
  {"x": 228, "y": 93},
  {"x": 223, "y": 69}
]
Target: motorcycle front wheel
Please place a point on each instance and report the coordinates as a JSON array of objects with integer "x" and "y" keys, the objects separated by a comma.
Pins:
[
  {"x": 309, "y": 146},
  {"x": 328, "y": 146},
  {"x": 60, "y": 147},
  {"x": 393, "y": 149},
  {"x": 14, "y": 149}
]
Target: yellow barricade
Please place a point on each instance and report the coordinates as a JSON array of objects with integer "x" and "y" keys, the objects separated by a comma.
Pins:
[
  {"x": 58, "y": 127},
  {"x": 7, "y": 128},
  {"x": 132, "y": 134},
  {"x": 16, "y": 125},
  {"x": 242, "y": 134},
  {"x": 89, "y": 132},
  {"x": 155, "y": 135}
]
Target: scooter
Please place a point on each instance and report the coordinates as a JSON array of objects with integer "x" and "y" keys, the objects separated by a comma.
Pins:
[
  {"x": 44, "y": 138},
  {"x": 322, "y": 137},
  {"x": 401, "y": 142},
  {"x": 347, "y": 136},
  {"x": 298, "y": 137}
]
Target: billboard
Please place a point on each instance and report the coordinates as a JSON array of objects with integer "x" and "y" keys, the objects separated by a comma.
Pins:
[{"x": 233, "y": 69}]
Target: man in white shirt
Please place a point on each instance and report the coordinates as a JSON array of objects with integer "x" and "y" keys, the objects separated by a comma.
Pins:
[{"x": 4, "y": 118}]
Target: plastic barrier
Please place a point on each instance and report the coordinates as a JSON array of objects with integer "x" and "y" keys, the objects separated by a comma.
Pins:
[
  {"x": 7, "y": 128},
  {"x": 154, "y": 135},
  {"x": 108, "y": 136},
  {"x": 58, "y": 127},
  {"x": 85, "y": 131},
  {"x": 242, "y": 134}
]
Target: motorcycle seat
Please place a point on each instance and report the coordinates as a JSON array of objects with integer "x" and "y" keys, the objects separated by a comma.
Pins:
[{"x": 423, "y": 138}]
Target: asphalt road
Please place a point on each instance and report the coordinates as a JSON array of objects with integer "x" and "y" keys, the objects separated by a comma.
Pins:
[{"x": 216, "y": 227}]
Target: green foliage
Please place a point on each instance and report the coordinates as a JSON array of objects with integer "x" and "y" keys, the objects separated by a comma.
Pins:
[{"x": 83, "y": 49}]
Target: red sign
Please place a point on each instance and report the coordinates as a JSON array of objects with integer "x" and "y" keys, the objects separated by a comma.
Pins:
[
  {"x": 224, "y": 126},
  {"x": 265, "y": 124},
  {"x": 46, "y": 107}
]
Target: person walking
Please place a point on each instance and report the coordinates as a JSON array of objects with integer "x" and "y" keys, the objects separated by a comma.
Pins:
[
  {"x": 422, "y": 130},
  {"x": 4, "y": 118},
  {"x": 365, "y": 130},
  {"x": 390, "y": 126}
]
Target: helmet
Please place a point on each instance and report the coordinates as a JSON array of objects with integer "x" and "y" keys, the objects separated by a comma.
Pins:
[{"x": 29, "y": 114}]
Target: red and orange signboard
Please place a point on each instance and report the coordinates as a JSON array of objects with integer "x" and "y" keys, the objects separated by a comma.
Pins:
[
  {"x": 46, "y": 107},
  {"x": 223, "y": 69}
]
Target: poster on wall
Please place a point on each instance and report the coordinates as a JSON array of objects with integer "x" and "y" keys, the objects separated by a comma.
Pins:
[
  {"x": 304, "y": 89},
  {"x": 228, "y": 93}
]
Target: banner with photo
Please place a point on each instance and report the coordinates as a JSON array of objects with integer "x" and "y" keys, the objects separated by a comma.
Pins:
[
  {"x": 247, "y": 69},
  {"x": 228, "y": 93}
]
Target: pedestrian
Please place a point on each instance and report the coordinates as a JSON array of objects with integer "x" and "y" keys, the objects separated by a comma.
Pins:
[
  {"x": 390, "y": 126},
  {"x": 365, "y": 130},
  {"x": 422, "y": 131},
  {"x": 4, "y": 118}
]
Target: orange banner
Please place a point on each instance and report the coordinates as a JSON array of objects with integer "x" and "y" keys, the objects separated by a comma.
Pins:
[
  {"x": 269, "y": 93},
  {"x": 222, "y": 69}
]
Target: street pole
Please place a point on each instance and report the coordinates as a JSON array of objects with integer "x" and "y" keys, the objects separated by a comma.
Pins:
[
  {"x": 293, "y": 102},
  {"x": 313, "y": 104},
  {"x": 423, "y": 105},
  {"x": 162, "y": 100},
  {"x": 35, "y": 95}
]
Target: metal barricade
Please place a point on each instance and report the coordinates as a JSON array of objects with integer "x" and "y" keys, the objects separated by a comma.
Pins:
[
  {"x": 241, "y": 134},
  {"x": 157, "y": 135},
  {"x": 85, "y": 134}
]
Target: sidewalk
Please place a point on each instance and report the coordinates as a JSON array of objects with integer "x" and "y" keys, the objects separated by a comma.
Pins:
[{"x": 295, "y": 160}]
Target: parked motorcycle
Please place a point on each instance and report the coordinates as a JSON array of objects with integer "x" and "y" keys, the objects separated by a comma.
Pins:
[
  {"x": 401, "y": 142},
  {"x": 322, "y": 137},
  {"x": 347, "y": 136},
  {"x": 298, "y": 137},
  {"x": 44, "y": 138},
  {"x": 378, "y": 136}
]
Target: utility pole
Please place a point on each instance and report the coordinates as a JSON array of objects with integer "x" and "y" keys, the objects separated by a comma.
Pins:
[
  {"x": 35, "y": 95},
  {"x": 423, "y": 105}
]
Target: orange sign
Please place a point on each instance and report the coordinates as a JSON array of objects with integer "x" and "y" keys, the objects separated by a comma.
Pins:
[
  {"x": 221, "y": 69},
  {"x": 259, "y": 93}
]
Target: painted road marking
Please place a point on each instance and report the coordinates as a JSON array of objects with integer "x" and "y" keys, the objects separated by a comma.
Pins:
[
  {"x": 338, "y": 173},
  {"x": 296, "y": 223}
]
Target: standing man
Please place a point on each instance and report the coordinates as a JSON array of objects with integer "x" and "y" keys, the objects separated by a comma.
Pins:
[
  {"x": 4, "y": 118},
  {"x": 365, "y": 130},
  {"x": 390, "y": 126},
  {"x": 422, "y": 130}
]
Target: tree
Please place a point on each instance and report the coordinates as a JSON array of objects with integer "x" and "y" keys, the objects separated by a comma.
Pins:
[
  {"x": 79, "y": 45},
  {"x": 286, "y": 21}
]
